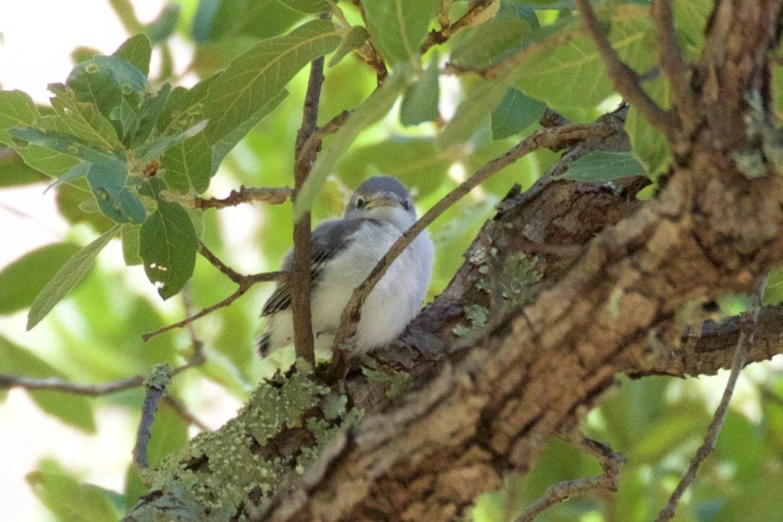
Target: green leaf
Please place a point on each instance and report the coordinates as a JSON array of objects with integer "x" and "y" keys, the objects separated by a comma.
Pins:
[
  {"x": 507, "y": 31},
  {"x": 691, "y": 17},
  {"x": 130, "y": 244},
  {"x": 773, "y": 292},
  {"x": 23, "y": 279},
  {"x": 81, "y": 169},
  {"x": 474, "y": 108},
  {"x": 16, "y": 110},
  {"x": 113, "y": 85},
  {"x": 14, "y": 171},
  {"x": 649, "y": 145},
  {"x": 571, "y": 78},
  {"x": 154, "y": 149},
  {"x": 149, "y": 114},
  {"x": 420, "y": 102},
  {"x": 353, "y": 40},
  {"x": 83, "y": 119},
  {"x": 163, "y": 26},
  {"x": 67, "y": 498},
  {"x": 515, "y": 113},
  {"x": 306, "y": 6},
  {"x": 202, "y": 21},
  {"x": 599, "y": 166},
  {"x": 398, "y": 27},
  {"x": 258, "y": 75},
  {"x": 188, "y": 165},
  {"x": 126, "y": 14},
  {"x": 372, "y": 110},
  {"x": 168, "y": 245},
  {"x": 65, "y": 144},
  {"x": 72, "y": 409},
  {"x": 67, "y": 277},
  {"x": 137, "y": 51},
  {"x": 109, "y": 184}
]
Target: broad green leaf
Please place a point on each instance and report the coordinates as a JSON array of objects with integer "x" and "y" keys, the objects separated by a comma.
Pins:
[
  {"x": 71, "y": 200},
  {"x": 489, "y": 42},
  {"x": 65, "y": 144},
  {"x": 82, "y": 54},
  {"x": 23, "y": 279},
  {"x": 83, "y": 119},
  {"x": 571, "y": 78},
  {"x": 648, "y": 145},
  {"x": 599, "y": 166},
  {"x": 691, "y": 19},
  {"x": 81, "y": 169},
  {"x": 67, "y": 498},
  {"x": 515, "y": 113},
  {"x": 258, "y": 75},
  {"x": 306, "y": 6},
  {"x": 66, "y": 278},
  {"x": 163, "y": 26},
  {"x": 72, "y": 409},
  {"x": 16, "y": 110},
  {"x": 474, "y": 108},
  {"x": 373, "y": 109},
  {"x": 47, "y": 161},
  {"x": 126, "y": 120},
  {"x": 353, "y": 40},
  {"x": 109, "y": 184},
  {"x": 107, "y": 82},
  {"x": 420, "y": 101},
  {"x": 130, "y": 244},
  {"x": 14, "y": 171},
  {"x": 398, "y": 27},
  {"x": 773, "y": 292},
  {"x": 137, "y": 51},
  {"x": 168, "y": 247},
  {"x": 188, "y": 165}
]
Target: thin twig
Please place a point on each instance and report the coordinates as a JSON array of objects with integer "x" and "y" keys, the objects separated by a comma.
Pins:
[
  {"x": 220, "y": 265},
  {"x": 550, "y": 138},
  {"x": 184, "y": 413},
  {"x": 746, "y": 337},
  {"x": 156, "y": 386},
  {"x": 673, "y": 66},
  {"x": 607, "y": 481},
  {"x": 624, "y": 79},
  {"x": 369, "y": 53},
  {"x": 49, "y": 383},
  {"x": 301, "y": 266},
  {"x": 267, "y": 195},
  {"x": 437, "y": 37}
]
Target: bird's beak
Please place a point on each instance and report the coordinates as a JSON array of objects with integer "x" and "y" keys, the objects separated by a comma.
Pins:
[{"x": 382, "y": 200}]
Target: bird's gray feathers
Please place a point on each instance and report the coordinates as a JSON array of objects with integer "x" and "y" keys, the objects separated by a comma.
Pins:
[
  {"x": 388, "y": 184},
  {"x": 327, "y": 239}
]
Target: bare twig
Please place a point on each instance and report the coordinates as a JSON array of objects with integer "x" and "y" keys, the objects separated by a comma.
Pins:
[
  {"x": 624, "y": 79},
  {"x": 184, "y": 413},
  {"x": 673, "y": 66},
  {"x": 243, "y": 281},
  {"x": 747, "y": 335},
  {"x": 550, "y": 138},
  {"x": 300, "y": 270},
  {"x": 91, "y": 390},
  {"x": 156, "y": 386},
  {"x": 607, "y": 481},
  {"x": 268, "y": 195},
  {"x": 436, "y": 37}
]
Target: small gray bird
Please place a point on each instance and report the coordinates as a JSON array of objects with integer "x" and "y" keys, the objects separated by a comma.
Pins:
[{"x": 343, "y": 252}]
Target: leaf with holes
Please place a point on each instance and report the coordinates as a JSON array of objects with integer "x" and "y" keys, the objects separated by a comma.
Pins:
[{"x": 168, "y": 245}]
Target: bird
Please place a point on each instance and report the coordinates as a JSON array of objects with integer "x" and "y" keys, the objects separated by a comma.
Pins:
[{"x": 343, "y": 253}]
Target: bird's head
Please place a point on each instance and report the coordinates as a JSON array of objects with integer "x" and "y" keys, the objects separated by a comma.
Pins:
[{"x": 384, "y": 198}]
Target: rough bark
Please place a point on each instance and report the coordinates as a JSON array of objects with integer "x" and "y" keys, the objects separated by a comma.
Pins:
[{"x": 483, "y": 403}]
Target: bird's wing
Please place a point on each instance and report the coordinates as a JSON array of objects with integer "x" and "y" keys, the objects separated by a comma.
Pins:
[{"x": 327, "y": 240}]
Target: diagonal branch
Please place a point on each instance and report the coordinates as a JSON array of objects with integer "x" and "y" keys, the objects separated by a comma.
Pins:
[
  {"x": 746, "y": 338},
  {"x": 267, "y": 195},
  {"x": 624, "y": 79},
  {"x": 555, "y": 138},
  {"x": 672, "y": 64}
]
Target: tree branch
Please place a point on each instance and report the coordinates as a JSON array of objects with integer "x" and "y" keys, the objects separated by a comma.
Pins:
[
  {"x": 747, "y": 335},
  {"x": 554, "y": 138},
  {"x": 267, "y": 195},
  {"x": 300, "y": 270},
  {"x": 624, "y": 79}
]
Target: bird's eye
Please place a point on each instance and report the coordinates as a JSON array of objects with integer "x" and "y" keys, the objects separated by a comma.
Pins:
[
  {"x": 360, "y": 202},
  {"x": 406, "y": 204}
]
